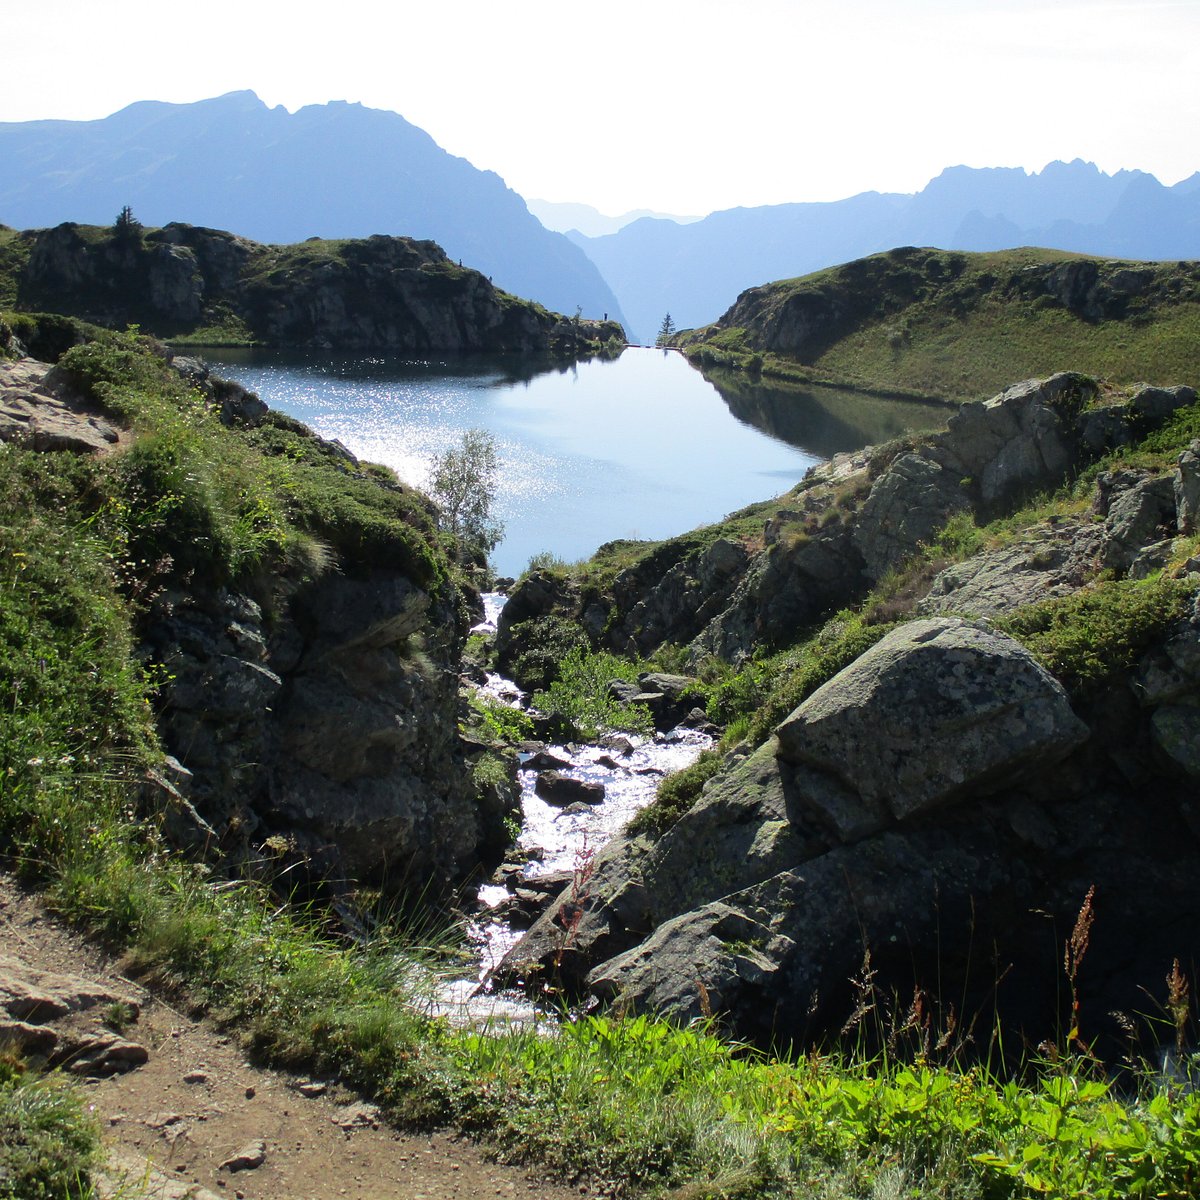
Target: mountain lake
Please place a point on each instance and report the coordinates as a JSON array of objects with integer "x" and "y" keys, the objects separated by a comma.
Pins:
[{"x": 641, "y": 446}]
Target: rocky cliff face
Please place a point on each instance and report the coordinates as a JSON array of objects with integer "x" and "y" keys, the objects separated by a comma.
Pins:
[
  {"x": 310, "y": 713},
  {"x": 943, "y": 804},
  {"x": 381, "y": 293}
]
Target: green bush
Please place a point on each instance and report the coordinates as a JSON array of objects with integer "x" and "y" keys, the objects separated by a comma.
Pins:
[
  {"x": 578, "y": 701},
  {"x": 1090, "y": 636},
  {"x": 498, "y": 721}
]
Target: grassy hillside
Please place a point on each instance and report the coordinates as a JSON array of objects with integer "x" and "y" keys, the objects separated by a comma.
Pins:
[
  {"x": 959, "y": 326},
  {"x": 199, "y": 286}
]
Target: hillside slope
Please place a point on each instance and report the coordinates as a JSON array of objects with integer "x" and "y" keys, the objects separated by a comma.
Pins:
[
  {"x": 952, "y": 715},
  {"x": 334, "y": 171},
  {"x": 208, "y": 286},
  {"x": 958, "y": 326}
]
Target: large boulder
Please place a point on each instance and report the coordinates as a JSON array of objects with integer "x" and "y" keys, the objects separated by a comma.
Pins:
[
  {"x": 937, "y": 710},
  {"x": 1022, "y": 439}
]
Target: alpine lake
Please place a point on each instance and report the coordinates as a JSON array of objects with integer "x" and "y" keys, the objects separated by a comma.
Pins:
[{"x": 641, "y": 446}]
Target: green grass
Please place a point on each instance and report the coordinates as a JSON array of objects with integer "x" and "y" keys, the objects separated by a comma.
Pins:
[
  {"x": 982, "y": 352},
  {"x": 49, "y": 1144},
  {"x": 957, "y": 326}
]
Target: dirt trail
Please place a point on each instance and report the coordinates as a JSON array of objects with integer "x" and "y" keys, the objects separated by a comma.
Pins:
[{"x": 178, "y": 1125}]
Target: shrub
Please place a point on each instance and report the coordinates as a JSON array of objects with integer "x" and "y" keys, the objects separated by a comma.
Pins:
[
  {"x": 676, "y": 795},
  {"x": 578, "y": 701},
  {"x": 499, "y": 721},
  {"x": 1088, "y": 637}
]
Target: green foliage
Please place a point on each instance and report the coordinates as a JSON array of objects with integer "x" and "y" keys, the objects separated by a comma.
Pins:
[
  {"x": 545, "y": 642},
  {"x": 1088, "y": 637},
  {"x": 578, "y": 700},
  {"x": 48, "y": 1143},
  {"x": 48, "y": 336},
  {"x": 490, "y": 771},
  {"x": 127, "y": 229},
  {"x": 498, "y": 721},
  {"x": 666, "y": 331},
  {"x": 676, "y": 795},
  {"x": 545, "y": 560},
  {"x": 463, "y": 481}
]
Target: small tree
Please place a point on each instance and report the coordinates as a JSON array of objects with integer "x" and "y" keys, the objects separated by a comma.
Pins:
[
  {"x": 665, "y": 330},
  {"x": 127, "y": 228},
  {"x": 463, "y": 481}
]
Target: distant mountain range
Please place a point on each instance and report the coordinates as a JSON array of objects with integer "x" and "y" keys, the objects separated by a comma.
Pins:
[
  {"x": 340, "y": 170},
  {"x": 332, "y": 170},
  {"x": 696, "y": 271},
  {"x": 591, "y": 222}
]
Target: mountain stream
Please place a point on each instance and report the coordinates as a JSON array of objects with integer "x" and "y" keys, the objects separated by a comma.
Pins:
[{"x": 554, "y": 841}]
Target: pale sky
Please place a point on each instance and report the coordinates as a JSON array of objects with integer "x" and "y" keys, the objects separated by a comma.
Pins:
[{"x": 682, "y": 107}]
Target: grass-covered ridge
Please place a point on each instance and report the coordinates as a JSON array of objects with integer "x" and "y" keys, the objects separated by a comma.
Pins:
[
  {"x": 197, "y": 286},
  {"x": 957, "y": 326}
]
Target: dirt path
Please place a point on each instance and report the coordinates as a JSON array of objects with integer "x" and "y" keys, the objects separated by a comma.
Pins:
[{"x": 180, "y": 1125}]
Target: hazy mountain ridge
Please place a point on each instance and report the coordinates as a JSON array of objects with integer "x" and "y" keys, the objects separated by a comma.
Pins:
[
  {"x": 695, "y": 271},
  {"x": 333, "y": 170},
  {"x": 591, "y": 222}
]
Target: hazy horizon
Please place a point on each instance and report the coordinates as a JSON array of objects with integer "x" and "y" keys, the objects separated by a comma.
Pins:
[{"x": 660, "y": 107}]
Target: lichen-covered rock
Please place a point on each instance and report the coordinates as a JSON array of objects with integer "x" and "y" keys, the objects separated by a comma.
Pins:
[
  {"x": 1023, "y": 438},
  {"x": 908, "y": 504},
  {"x": 937, "y": 710},
  {"x": 1056, "y": 559},
  {"x": 1139, "y": 510}
]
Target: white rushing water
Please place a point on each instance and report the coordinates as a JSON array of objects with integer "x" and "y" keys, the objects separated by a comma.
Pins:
[{"x": 554, "y": 839}]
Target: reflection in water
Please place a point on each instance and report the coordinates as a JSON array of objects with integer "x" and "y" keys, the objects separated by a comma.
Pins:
[
  {"x": 641, "y": 446},
  {"x": 825, "y": 421}
]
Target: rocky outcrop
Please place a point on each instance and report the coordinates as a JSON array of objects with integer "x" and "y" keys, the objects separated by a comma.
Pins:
[
  {"x": 40, "y": 409},
  {"x": 61, "y": 1019},
  {"x": 381, "y": 293},
  {"x": 860, "y": 516},
  {"x": 937, "y": 708},
  {"x": 935, "y": 803},
  {"x": 326, "y": 737}
]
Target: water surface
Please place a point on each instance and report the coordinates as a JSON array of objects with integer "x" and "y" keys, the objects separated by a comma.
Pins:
[{"x": 637, "y": 447}]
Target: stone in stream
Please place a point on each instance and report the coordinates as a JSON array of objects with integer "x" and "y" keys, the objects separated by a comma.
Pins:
[
  {"x": 560, "y": 790},
  {"x": 543, "y": 760}
]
